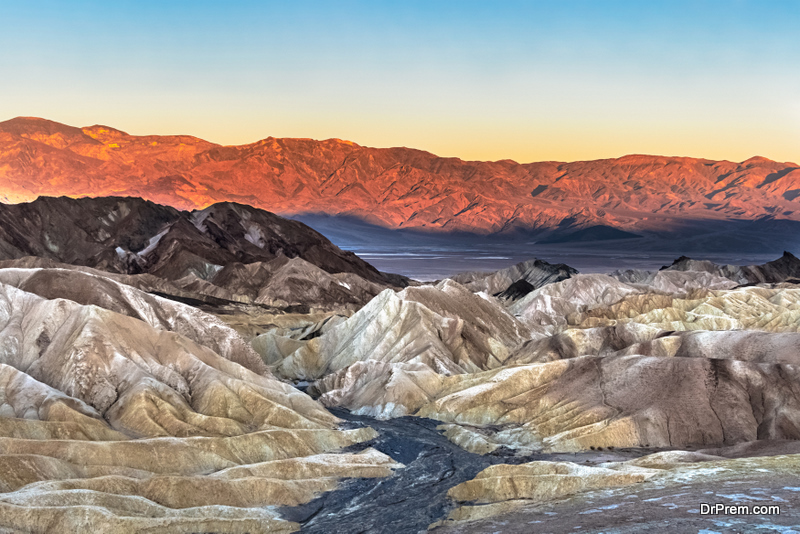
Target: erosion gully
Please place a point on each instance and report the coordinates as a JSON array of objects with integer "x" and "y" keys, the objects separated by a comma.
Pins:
[{"x": 415, "y": 496}]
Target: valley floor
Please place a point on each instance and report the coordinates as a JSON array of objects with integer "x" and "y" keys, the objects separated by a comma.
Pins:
[
  {"x": 412, "y": 498},
  {"x": 656, "y": 510},
  {"x": 426, "y": 263}
]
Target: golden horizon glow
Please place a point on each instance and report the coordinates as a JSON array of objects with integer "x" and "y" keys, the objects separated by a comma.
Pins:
[{"x": 523, "y": 81}]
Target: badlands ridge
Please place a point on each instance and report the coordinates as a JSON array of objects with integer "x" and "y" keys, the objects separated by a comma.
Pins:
[{"x": 168, "y": 371}]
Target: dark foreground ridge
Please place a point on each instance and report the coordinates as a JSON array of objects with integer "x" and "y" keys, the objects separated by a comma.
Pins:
[
  {"x": 133, "y": 236},
  {"x": 415, "y": 496}
]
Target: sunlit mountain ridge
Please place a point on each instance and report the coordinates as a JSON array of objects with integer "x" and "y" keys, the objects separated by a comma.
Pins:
[{"x": 393, "y": 187}]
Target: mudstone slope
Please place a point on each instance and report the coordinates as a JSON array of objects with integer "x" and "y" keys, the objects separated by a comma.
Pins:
[
  {"x": 693, "y": 357},
  {"x": 130, "y": 397},
  {"x": 172, "y": 371}
]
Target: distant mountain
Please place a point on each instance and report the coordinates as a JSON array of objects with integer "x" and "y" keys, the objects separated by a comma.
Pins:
[
  {"x": 395, "y": 187},
  {"x": 133, "y": 236}
]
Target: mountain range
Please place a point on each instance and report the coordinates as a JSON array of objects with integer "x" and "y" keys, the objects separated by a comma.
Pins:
[{"x": 399, "y": 188}]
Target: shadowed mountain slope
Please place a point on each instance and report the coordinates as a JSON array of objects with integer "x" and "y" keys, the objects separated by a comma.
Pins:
[{"x": 131, "y": 235}]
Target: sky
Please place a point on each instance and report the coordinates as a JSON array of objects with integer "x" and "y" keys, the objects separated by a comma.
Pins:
[{"x": 528, "y": 81}]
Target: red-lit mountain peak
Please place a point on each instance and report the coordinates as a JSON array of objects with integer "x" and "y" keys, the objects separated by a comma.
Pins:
[{"x": 394, "y": 187}]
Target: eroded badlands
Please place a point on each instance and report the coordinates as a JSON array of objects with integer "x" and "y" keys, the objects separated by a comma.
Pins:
[{"x": 185, "y": 384}]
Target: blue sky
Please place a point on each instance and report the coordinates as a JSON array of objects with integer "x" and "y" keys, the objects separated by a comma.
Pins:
[{"x": 479, "y": 80}]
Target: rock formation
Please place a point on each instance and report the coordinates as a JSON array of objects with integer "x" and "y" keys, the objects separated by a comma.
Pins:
[
  {"x": 159, "y": 313},
  {"x": 676, "y": 358},
  {"x": 399, "y": 343},
  {"x": 625, "y": 401},
  {"x": 527, "y": 276},
  {"x": 129, "y": 235},
  {"x": 787, "y": 267},
  {"x": 124, "y": 411},
  {"x": 134, "y": 412},
  {"x": 286, "y": 282}
]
